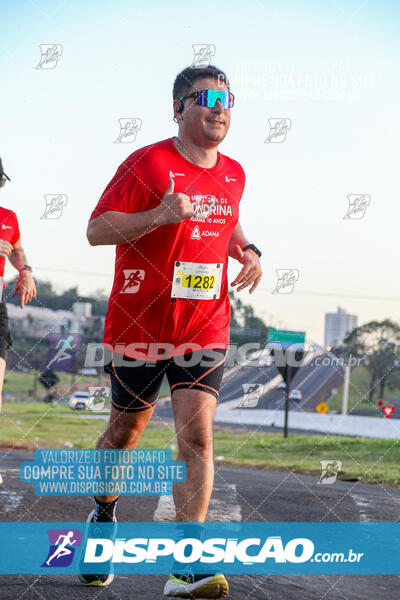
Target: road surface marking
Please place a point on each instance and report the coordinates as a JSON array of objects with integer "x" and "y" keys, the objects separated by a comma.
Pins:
[
  {"x": 363, "y": 504},
  {"x": 11, "y": 473},
  {"x": 13, "y": 500},
  {"x": 224, "y": 505}
]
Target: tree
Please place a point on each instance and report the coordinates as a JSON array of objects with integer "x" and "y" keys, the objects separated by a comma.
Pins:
[
  {"x": 234, "y": 309},
  {"x": 242, "y": 316},
  {"x": 378, "y": 343},
  {"x": 47, "y": 297},
  {"x": 394, "y": 381}
]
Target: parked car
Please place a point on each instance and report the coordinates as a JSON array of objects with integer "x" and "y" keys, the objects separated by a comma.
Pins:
[
  {"x": 88, "y": 371},
  {"x": 295, "y": 395},
  {"x": 79, "y": 400},
  {"x": 265, "y": 361},
  {"x": 282, "y": 386}
]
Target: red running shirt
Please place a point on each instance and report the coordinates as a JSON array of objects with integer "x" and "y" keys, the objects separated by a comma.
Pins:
[
  {"x": 140, "y": 309},
  {"x": 9, "y": 232}
]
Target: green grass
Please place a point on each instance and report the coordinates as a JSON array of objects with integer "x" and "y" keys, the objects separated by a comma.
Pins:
[
  {"x": 20, "y": 384},
  {"x": 37, "y": 425},
  {"x": 358, "y": 394},
  {"x": 15, "y": 383}
]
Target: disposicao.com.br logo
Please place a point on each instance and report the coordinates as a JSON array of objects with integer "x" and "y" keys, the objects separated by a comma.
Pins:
[{"x": 214, "y": 550}]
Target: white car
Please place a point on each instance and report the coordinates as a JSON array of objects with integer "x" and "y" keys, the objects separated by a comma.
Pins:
[
  {"x": 282, "y": 386},
  {"x": 88, "y": 371},
  {"x": 265, "y": 361},
  {"x": 79, "y": 400},
  {"x": 295, "y": 395}
]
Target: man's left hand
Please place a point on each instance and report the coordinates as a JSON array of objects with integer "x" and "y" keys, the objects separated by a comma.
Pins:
[
  {"x": 251, "y": 272},
  {"x": 25, "y": 287}
]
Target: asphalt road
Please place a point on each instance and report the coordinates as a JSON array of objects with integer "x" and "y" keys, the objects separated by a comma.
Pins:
[
  {"x": 239, "y": 494},
  {"x": 314, "y": 381}
]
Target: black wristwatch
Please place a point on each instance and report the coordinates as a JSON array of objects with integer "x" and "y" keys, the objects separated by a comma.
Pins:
[
  {"x": 26, "y": 268},
  {"x": 252, "y": 247}
]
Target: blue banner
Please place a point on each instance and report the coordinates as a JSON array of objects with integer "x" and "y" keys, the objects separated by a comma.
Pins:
[
  {"x": 103, "y": 472},
  {"x": 159, "y": 548}
]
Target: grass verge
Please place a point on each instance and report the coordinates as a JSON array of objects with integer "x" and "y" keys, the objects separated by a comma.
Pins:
[{"x": 37, "y": 425}]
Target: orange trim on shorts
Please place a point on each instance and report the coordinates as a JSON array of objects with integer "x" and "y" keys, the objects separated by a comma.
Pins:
[
  {"x": 130, "y": 408},
  {"x": 209, "y": 370},
  {"x": 190, "y": 384}
]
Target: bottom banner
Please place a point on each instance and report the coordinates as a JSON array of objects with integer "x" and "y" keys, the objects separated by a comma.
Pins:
[{"x": 161, "y": 548}]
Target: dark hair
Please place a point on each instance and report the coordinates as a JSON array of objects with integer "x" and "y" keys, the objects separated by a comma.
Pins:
[
  {"x": 3, "y": 176},
  {"x": 186, "y": 78}
]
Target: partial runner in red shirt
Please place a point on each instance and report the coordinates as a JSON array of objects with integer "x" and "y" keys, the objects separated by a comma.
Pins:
[{"x": 11, "y": 248}]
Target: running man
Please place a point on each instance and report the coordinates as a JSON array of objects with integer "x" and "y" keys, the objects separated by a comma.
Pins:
[
  {"x": 10, "y": 247},
  {"x": 63, "y": 345},
  {"x": 172, "y": 211},
  {"x": 62, "y": 549}
]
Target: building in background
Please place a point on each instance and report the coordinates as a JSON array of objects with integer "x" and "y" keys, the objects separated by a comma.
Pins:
[
  {"x": 37, "y": 322},
  {"x": 337, "y": 325}
]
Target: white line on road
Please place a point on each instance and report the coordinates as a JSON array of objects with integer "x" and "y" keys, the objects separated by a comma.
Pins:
[
  {"x": 165, "y": 510},
  {"x": 11, "y": 473},
  {"x": 13, "y": 500},
  {"x": 224, "y": 505},
  {"x": 363, "y": 504}
]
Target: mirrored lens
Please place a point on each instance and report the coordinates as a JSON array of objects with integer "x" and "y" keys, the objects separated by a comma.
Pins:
[
  {"x": 214, "y": 95},
  {"x": 209, "y": 97}
]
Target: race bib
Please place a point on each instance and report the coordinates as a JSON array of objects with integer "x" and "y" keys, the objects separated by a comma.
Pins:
[{"x": 197, "y": 281}]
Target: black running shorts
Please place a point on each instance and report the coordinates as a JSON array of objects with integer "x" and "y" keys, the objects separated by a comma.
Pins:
[
  {"x": 136, "y": 386},
  {"x": 5, "y": 335}
]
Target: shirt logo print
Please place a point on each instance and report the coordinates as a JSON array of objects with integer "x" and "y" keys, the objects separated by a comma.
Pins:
[
  {"x": 195, "y": 233},
  {"x": 133, "y": 279}
]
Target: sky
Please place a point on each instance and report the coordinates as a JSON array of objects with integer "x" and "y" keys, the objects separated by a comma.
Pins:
[{"x": 329, "y": 68}]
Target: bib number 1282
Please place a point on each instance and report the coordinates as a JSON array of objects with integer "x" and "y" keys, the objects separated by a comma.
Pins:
[
  {"x": 201, "y": 282},
  {"x": 197, "y": 281}
]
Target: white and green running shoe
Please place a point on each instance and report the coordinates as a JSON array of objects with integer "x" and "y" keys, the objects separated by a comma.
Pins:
[
  {"x": 197, "y": 586},
  {"x": 102, "y": 579}
]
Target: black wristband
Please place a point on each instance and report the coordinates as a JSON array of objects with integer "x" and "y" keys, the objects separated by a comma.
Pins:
[
  {"x": 26, "y": 268},
  {"x": 254, "y": 248}
]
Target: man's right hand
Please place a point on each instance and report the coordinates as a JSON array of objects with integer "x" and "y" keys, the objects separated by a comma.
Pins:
[
  {"x": 173, "y": 207},
  {"x": 5, "y": 248}
]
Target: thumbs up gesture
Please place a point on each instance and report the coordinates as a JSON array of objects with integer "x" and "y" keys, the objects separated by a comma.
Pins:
[{"x": 174, "y": 207}]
